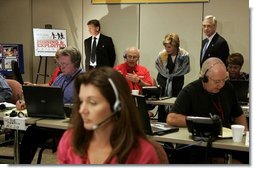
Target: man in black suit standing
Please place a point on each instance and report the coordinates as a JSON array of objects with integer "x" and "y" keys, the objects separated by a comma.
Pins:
[
  {"x": 213, "y": 45},
  {"x": 99, "y": 49}
]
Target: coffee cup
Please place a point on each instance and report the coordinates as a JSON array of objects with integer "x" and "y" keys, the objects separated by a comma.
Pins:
[
  {"x": 134, "y": 92},
  {"x": 237, "y": 132}
]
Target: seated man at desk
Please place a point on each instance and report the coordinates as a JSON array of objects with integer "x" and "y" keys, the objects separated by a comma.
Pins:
[
  {"x": 69, "y": 60},
  {"x": 136, "y": 75},
  {"x": 211, "y": 94}
]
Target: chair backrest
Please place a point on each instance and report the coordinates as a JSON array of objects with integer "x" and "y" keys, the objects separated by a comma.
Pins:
[
  {"x": 162, "y": 155},
  {"x": 16, "y": 71},
  {"x": 16, "y": 88}
]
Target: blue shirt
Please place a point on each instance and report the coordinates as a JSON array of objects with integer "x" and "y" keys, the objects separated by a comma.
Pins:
[
  {"x": 66, "y": 82},
  {"x": 5, "y": 90}
]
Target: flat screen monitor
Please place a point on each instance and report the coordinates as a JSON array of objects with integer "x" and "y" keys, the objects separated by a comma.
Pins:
[
  {"x": 242, "y": 90},
  {"x": 9, "y": 52}
]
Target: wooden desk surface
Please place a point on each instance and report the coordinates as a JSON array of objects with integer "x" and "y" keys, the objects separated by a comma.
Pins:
[
  {"x": 184, "y": 137},
  {"x": 54, "y": 123},
  {"x": 164, "y": 102}
]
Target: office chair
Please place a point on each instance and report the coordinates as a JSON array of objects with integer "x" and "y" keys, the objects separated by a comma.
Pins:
[{"x": 16, "y": 71}]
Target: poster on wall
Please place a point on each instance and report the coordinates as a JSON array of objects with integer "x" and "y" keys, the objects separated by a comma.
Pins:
[
  {"x": 48, "y": 41},
  {"x": 142, "y": 1},
  {"x": 8, "y": 53}
]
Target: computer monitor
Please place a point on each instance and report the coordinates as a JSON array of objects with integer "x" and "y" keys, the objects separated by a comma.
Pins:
[{"x": 242, "y": 90}]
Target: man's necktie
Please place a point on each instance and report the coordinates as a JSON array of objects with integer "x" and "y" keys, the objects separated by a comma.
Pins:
[
  {"x": 93, "y": 50},
  {"x": 204, "y": 48}
]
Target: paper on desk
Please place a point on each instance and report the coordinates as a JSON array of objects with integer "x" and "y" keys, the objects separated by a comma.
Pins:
[
  {"x": 226, "y": 133},
  {"x": 8, "y": 105}
]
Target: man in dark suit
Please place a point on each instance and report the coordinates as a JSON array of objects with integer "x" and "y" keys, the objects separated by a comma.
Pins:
[
  {"x": 99, "y": 49},
  {"x": 214, "y": 45}
]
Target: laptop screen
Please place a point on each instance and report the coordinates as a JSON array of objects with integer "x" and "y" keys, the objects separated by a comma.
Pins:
[
  {"x": 151, "y": 128},
  {"x": 44, "y": 102},
  {"x": 151, "y": 92}
]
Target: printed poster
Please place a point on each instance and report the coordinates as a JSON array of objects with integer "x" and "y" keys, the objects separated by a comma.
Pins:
[{"x": 48, "y": 41}]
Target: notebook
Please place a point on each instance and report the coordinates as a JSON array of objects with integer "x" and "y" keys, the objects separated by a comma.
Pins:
[
  {"x": 150, "y": 127},
  {"x": 45, "y": 102},
  {"x": 242, "y": 90}
]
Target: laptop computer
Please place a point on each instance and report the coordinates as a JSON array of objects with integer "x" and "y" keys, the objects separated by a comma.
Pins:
[
  {"x": 150, "y": 127},
  {"x": 151, "y": 92},
  {"x": 45, "y": 102},
  {"x": 242, "y": 90}
]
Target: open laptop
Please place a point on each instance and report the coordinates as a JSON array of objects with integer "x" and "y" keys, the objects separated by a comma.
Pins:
[
  {"x": 45, "y": 102},
  {"x": 151, "y": 128},
  {"x": 153, "y": 93},
  {"x": 242, "y": 90}
]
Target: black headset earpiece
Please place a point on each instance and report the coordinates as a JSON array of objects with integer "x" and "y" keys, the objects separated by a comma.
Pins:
[
  {"x": 2, "y": 107},
  {"x": 205, "y": 78},
  {"x": 19, "y": 114},
  {"x": 117, "y": 104}
]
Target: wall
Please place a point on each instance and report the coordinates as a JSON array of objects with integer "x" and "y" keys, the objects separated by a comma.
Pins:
[
  {"x": 145, "y": 25},
  {"x": 142, "y": 25}
]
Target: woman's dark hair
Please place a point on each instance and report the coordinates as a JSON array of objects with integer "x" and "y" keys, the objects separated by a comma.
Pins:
[
  {"x": 235, "y": 59},
  {"x": 127, "y": 125}
]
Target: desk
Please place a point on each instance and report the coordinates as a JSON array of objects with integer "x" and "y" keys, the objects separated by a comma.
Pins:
[
  {"x": 54, "y": 123},
  {"x": 164, "y": 102},
  {"x": 183, "y": 137},
  {"x": 171, "y": 101},
  {"x": 28, "y": 121}
]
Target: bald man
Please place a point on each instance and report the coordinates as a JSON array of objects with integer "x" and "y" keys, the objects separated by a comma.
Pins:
[
  {"x": 210, "y": 94},
  {"x": 136, "y": 75}
]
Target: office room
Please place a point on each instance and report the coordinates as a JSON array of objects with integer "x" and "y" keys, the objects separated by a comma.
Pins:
[{"x": 142, "y": 25}]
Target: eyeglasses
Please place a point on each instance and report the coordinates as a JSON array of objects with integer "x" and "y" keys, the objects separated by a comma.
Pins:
[
  {"x": 219, "y": 81},
  {"x": 132, "y": 57},
  {"x": 63, "y": 64}
]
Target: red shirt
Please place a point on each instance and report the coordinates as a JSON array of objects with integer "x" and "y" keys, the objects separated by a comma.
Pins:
[
  {"x": 141, "y": 71},
  {"x": 144, "y": 153},
  {"x": 56, "y": 72}
]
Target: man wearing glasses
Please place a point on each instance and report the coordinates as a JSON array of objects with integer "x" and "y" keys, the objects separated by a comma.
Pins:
[
  {"x": 136, "y": 75},
  {"x": 210, "y": 94}
]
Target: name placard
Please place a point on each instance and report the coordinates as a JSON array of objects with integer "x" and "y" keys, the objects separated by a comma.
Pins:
[{"x": 15, "y": 123}]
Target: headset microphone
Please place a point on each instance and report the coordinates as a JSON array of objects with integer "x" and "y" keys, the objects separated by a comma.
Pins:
[
  {"x": 95, "y": 126},
  {"x": 116, "y": 106}
]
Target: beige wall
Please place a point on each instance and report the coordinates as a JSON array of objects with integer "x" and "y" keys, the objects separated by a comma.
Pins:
[{"x": 142, "y": 25}]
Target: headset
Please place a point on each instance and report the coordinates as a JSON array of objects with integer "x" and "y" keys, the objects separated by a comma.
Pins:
[
  {"x": 205, "y": 78},
  {"x": 124, "y": 56},
  {"x": 117, "y": 105},
  {"x": 2, "y": 107},
  {"x": 19, "y": 114}
]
